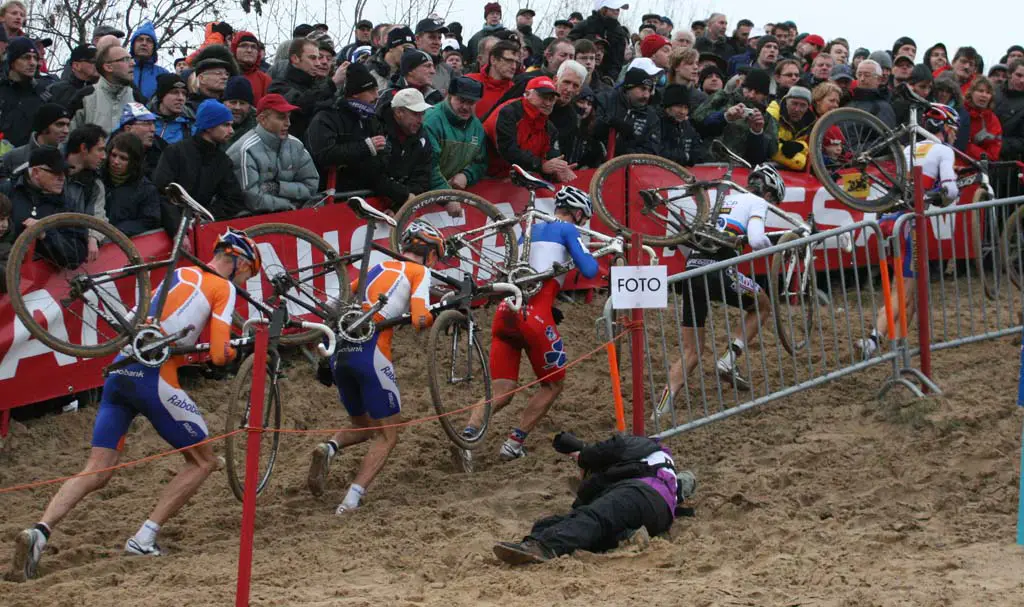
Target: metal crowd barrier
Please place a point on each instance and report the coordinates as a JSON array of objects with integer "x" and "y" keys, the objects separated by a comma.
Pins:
[{"x": 843, "y": 308}]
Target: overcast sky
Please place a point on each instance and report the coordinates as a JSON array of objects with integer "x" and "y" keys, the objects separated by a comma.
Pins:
[{"x": 991, "y": 27}]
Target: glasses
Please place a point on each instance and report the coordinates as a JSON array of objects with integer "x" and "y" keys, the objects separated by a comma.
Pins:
[
  {"x": 125, "y": 59},
  {"x": 215, "y": 73}
]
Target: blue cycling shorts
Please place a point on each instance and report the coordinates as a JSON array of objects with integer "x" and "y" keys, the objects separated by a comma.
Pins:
[{"x": 366, "y": 379}]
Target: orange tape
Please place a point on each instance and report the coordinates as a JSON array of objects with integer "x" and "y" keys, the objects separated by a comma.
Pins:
[{"x": 901, "y": 293}]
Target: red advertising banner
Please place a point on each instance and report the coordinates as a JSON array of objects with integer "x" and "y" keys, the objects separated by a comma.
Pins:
[{"x": 30, "y": 372}]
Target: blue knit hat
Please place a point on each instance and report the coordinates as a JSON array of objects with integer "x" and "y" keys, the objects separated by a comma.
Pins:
[
  {"x": 239, "y": 87},
  {"x": 18, "y": 47},
  {"x": 211, "y": 114}
]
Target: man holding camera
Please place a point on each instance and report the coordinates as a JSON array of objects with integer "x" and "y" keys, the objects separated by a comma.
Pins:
[
  {"x": 740, "y": 119},
  {"x": 630, "y": 485}
]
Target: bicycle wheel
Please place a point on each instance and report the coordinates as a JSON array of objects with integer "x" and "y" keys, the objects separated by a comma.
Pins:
[
  {"x": 992, "y": 277},
  {"x": 793, "y": 288},
  {"x": 78, "y": 309},
  {"x": 317, "y": 279},
  {"x": 1012, "y": 248},
  {"x": 636, "y": 192},
  {"x": 238, "y": 417},
  {"x": 871, "y": 172},
  {"x": 475, "y": 244},
  {"x": 459, "y": 377}
]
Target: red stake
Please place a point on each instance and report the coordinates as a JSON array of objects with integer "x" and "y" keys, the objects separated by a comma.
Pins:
[
  {"x": 923, "y": 319},
  {"x": 636, "y": 341},
  {"x": 252, "y": 464}
]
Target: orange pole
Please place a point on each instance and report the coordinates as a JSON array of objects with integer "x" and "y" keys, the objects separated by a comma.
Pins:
[
  {"x": 887, "y": 294},
  {"x": 613, "y": 367}
]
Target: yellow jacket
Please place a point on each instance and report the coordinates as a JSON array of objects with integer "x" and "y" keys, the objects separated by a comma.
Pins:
[{"x": 789, "y": 132}]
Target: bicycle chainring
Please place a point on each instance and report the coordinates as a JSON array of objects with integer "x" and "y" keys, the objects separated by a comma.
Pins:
[
  {"x": 146, "y": 335},
  {"x": 359, "y": 335},
  {"x": 522, "y": 272}
]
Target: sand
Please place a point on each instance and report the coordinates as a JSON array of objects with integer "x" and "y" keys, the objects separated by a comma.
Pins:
[{"x": 829, "y": 497}]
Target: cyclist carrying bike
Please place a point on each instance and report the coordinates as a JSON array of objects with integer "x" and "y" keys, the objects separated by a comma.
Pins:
[
  {"x": 742, "y": 216},
  {"x": 939, "y": 183},
  {"x": 363, "y": 372},
  {"x": 195, "y": 298},
  {"x": 534, "y": 328}
]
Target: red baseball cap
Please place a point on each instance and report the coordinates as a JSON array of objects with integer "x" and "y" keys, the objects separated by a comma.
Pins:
[
  {"x": 816, "y": 40},
  {"x": 652, "y": 44},
  {"x": 274, "y": 102},
  {"x": 541, "y": 84}
]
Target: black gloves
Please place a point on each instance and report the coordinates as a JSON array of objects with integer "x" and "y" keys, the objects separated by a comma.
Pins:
[
  {"x": 324, "y": 373},
  {"x": 791, "y": 148},
  {"x": 557, "y": 315},
  {"x": 566, "y": 442}
]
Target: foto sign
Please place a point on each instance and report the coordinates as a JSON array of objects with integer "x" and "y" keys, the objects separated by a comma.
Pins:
[{"x": 639, "y": 287}]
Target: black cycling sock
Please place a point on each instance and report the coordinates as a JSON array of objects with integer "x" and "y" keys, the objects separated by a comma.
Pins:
[
  {"x": 334, "y": 444},
  {"x": 43, "y": 528}
]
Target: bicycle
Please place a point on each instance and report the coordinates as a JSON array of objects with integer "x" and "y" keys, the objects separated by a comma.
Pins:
[{"x": 669, "y": 207}]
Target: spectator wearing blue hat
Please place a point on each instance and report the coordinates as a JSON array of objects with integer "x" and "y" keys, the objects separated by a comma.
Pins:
[
  {"x": 199, "y": 165},
  {"x": 239, "y": 98},
  {"x": 143, "y": 47},
  {"x": 139, "y": 121},
  {"x": 20, "y": 94}
]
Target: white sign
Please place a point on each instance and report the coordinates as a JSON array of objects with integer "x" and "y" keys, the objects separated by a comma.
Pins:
[{"x": 639, "y": 287}]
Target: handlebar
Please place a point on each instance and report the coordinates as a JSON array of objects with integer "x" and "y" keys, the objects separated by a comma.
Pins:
[{"x": 325, "y": 351}]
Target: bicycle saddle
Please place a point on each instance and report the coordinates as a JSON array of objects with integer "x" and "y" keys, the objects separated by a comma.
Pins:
[
  {"x": 523, "y": 179},
  {"x": 178, "y": 196},
  {"x": 364, "y": 211}
]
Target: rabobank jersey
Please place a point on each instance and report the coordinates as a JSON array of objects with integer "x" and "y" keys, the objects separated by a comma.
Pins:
[
  {"x": 937, "y": 166},
  {"x": 737, "y": 210},
  {"x": 558, "y": 242},
  {"x": 196, "y": 298},
  {"x": 407, "y": 287}
]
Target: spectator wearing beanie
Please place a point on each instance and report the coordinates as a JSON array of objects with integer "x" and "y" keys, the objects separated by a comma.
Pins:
[
  {"x": 50, "y": 128},
  {"x": 144, "y": 46},
  {"x": 81, "y": 73},
  {"x": 492, "y": 24},
  {"x": 173, "y": 118},
  {"x": 386, "y": 64},
  {"x": 238, "y": 97},
  {"x": 867, "y": 95},
  {"x": 456, "y": 136},
  {"x": 723, "y": 117},
  {"x": 795, "y": 116},
  {"x": 919, "y": 84},
  {"x": 348, "y": 137},
  {"x": 417, "y": 73},
  {"x": 198, "y": 164},
  {"x": 20, "y": 93},
  {"x": 657, "y": 48},
  {"x": 274, "y": 169},
  {"x": 711, "y": 80},
  {"x": 248, "y": 52},
  {"x": 301, "y": 87},
  {"x": 628, "y": 111},
  {"x": 680, "y": 141},
  {"x": 904, "y": 45},
  {"x": 139, "y": 121}
]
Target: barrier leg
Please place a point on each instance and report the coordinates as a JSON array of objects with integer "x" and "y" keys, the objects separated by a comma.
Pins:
[
  {"x": 252, "y": 464},
  {"x": 613, "y": 368},
  {"x": 5, "y": 425},
  {"x": 636, "y": 341},
  {"x": 923, "y": 317}
]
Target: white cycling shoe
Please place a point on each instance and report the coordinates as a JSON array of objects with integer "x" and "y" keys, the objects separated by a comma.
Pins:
[
  {"x": 134, "y": 548},
  {"x": 867, "y": 347},
  {"x": 28, "y": 549},
  {"x": 731, "y": 374},
  {"x": 511, "y": 450},
  {"x": 319, "y": 466}
]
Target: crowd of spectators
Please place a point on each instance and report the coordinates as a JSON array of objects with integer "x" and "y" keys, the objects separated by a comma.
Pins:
[{"x": 406, "y": 108}]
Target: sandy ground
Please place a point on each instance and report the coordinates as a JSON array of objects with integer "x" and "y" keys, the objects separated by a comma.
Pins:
[{"x": 829, "y": 497}]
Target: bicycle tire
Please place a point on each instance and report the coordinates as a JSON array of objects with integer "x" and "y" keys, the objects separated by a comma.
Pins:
[
  {"x": 1012, "y": 248},
  {"x": 806, "y": 307},
  {"x": 441, "y": 337},
  {"x": 437, "y": 199},
  {"x": 606, "y": 170},
  {"x": 989, "y": 279},
  {"x": 19, "y": 253},
  {"x": 338, "y": 268},
  {"x": 825, "y": 176},
  {"x": 237, "y": 416}
]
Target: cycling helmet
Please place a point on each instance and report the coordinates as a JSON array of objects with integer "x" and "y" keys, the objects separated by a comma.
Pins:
[
  {"x": 939, "y": 116},
  {"x": 421, "y": 233},
  {"x": 238, "y": 244},
  {"x": 574, "y": 199},
  {"x": 764, "y": 179}
]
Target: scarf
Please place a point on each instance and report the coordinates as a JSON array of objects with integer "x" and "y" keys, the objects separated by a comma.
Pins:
[{"x": 364, "y": 110}]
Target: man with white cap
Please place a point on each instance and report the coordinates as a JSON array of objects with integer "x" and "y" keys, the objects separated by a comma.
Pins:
[
  {"x": 139, "y": 121},
  {"x": 604, "y": 24},
  {"x": 409, "y": 155}
]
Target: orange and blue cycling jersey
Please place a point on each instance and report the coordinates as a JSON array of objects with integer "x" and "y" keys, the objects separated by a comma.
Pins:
[
  {"x": 195, "y": 298},
  {"x": 363, "y": 372}
]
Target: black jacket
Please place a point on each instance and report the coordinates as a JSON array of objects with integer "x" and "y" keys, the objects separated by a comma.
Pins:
[
  {"x": 619, "y": 459},
  {"x": 873, "y": 102},
  {"x": 681, "y": 143},
  {"x": 134, "y": 206},
  {"x": 18, "y": 104},
  {"x": 302, "y": 90},
  {"x": 207, "y": 175},
  {"x": 638, "y": 130},
  {"x": 409, "y": 161},
  {"x": 66, "y": 247},
  {"x": 575, "y": 138},
  {"x": 723, "y": 47},
  {"x": 1009, "y": 108},
  {"x": 64, "y": 91},
  {"x": 338, "y": 139},
  {"x": 612, "y": 32}
]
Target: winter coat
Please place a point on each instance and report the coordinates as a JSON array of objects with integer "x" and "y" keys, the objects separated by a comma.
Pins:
[
  {"x": 207, "y": 175},
  {"x": 637, "y": 130},
  {"x": 613, "y": 33},
  {"x": 737, "y": 136},
  {"x": 101, "y": 104},
  {"x": 134, "y": 206},
  {"x": 63, "y": 92},
  {"x": 84, "y": 190},
  {"x": 210, "y": 37},
  {"x": 723, "y": 47},
  {"x": 872, "y": 102},
  {"x": 243, "y": 128},
  {"x": 469, "y": 52},
  {"x": 172, "y": 129},
  {"x": 259, "y": 79},
  {"x": 457, "y": 146},
  {"x": 531, "y": 40},
  {"x": 681, "y": 143},
  {"x": 793, "y": 138},
  {"x": 518, "y": 133},
  {"x": 741, "y": 60},
  {"x": 338, "y": 139},
  {"x": 275, "y": 174},
  {"x": 381, "y": 71},
  {"x": 302, "y": 90},
  {"x": 986, "y": 134},
  {"x": 146, "y": 70},
  {"x": 66, "y": 247},
  {"x": 409, "y": 162},
  {"x": 1009, "y": 108},
  {"x": 16, "y": 160},
  {"x": 494, "y": 89},
  {"x": 18, "y": 104},
  {"x": 442, "y": 77}
]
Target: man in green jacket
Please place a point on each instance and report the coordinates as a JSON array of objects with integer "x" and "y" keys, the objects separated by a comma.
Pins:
[
  {"x": 457, "y": 137},
  {"x": 740, "y": 119}
]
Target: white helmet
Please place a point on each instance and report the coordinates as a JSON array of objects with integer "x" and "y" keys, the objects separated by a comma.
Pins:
[
  {"x": 575, "y": 199},
  {"x": 764, "y": 179}
]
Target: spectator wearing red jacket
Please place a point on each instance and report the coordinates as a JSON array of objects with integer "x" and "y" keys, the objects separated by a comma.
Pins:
[
  {"x": 519, "y": 132},
  {"x": 986, "y": 130},
  {"x": 964, "y": 67},
  {"x": 248, "y": 52},
  {"x": 497, "y": 75}
]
